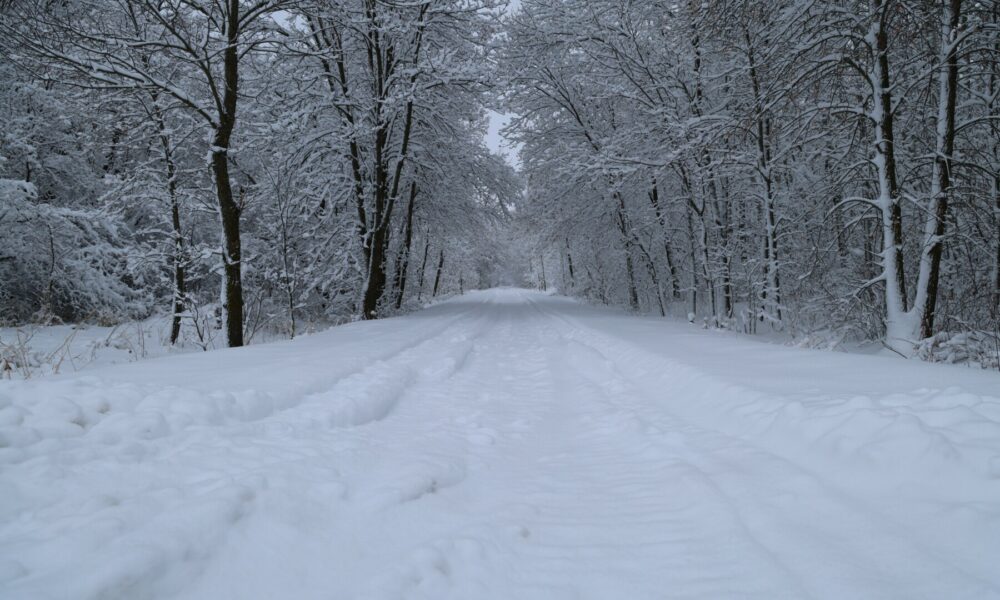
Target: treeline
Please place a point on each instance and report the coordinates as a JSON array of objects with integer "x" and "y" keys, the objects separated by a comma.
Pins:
[
  {"x": 242, "y": 164},
  {"x": 828, "y": 168}
]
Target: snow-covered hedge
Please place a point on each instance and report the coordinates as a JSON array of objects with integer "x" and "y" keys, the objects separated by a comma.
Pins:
[
  {"x": 971, "y": 347},
  {"x": 63, "y": 263}
]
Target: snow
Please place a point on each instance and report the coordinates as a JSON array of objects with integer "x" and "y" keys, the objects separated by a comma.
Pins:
[
  {"x": 505, "y": 444},
  {"x": 40, "y": 350}
]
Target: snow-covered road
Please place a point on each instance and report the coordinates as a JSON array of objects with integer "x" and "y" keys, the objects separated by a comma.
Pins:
[{"x": 508, "y": 445}]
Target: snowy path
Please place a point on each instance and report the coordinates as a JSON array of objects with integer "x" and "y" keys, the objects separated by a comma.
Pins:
[{"x": 505, "y": 445}]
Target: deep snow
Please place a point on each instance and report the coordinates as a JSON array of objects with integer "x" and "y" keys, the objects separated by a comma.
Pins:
[{"x": 509, "y": 445}]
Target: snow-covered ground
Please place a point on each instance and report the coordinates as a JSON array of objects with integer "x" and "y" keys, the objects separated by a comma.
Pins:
[{"x": 508, "y": 445}]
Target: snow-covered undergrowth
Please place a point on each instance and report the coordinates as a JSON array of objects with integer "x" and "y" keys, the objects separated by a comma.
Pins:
[
  {"x": 42, "y": 350},
  {"x": 32, "y": 351},
  {"x": 506, "y": 444}
]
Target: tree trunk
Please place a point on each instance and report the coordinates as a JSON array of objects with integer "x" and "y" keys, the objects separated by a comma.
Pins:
[
  {"x": 375, "y": 285},
  {"x": 772, "y": 294},
  {"x": 386, "y": 185},
  {"x": 569, "y": 265},
  {"x": 624, "y": 229},
  {"x": 653, "y": 276},
  {"x": 996, "y": 258},
  {"x": 377, "y": 235},
  {"x": 723, "y": 226},
  {"x": 709, "y": 275},
  {"x": 930, "y": 263},
  {"x": 423, "y": 268},
  {"x": 654, "y": 199},
  {"x": 180, "y": 287},
  {"x": 994, "y": 88},
  {"x": 403, "y": 259},
  {"x": 893, "y": 276},
  {"x": 694, "y": 264},
  {"x": 229, "y": 211},
  {"x": 837, "y": 221},
  {"x": 437, "y": 278}
]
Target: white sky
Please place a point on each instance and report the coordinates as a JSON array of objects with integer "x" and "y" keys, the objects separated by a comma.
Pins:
[{"x": 494, "y": 141}]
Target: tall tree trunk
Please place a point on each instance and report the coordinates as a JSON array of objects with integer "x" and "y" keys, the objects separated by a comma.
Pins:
[
  {"x": 378, "y": 233},
  {"x": 229, "y": 210},
  {"x": 180, "y": 285},
  {"x": 179, "y": 259},
  {"x": 889, "y": 197},
  {"x": 994, "y": 89},
  {"x": 702, "y": 160},
  {"x": 772, "y": 294},
  {"x": 930, "y": 262},
  {"x": 386, "y": 184}
]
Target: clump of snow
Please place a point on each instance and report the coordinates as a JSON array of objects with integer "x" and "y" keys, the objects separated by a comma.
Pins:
[
  {"x": 977, "y": 348},
  {"x": 17, "y": 190}
]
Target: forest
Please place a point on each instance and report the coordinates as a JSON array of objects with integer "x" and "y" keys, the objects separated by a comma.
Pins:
[
  {"x": 827, "y": 172},
  {"x": 499, "y": 299}
]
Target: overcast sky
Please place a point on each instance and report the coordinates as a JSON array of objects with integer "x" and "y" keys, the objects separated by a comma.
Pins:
[{"x": 494, "y": 140}]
